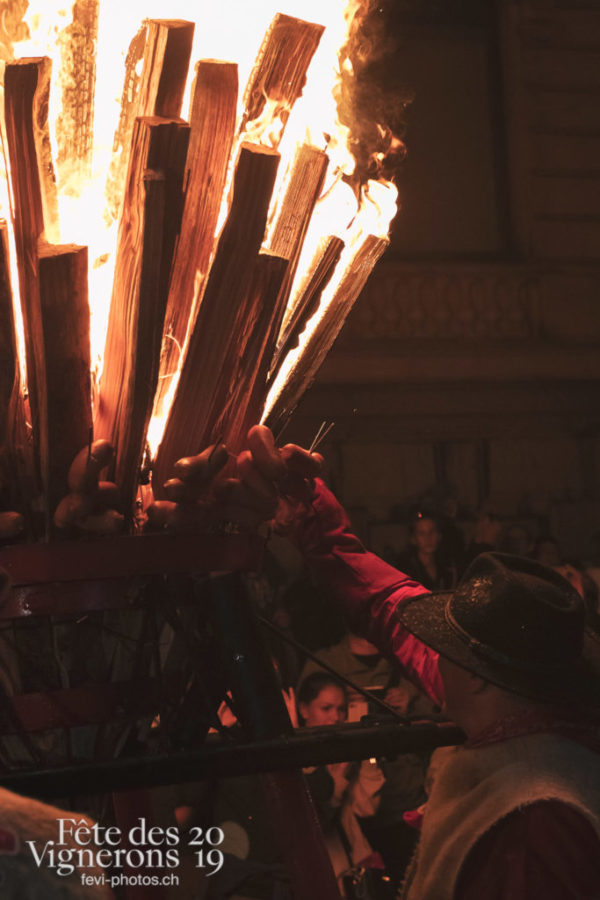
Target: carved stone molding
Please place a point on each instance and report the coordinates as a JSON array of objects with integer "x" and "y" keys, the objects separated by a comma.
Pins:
[
  {"x": 475, "y": 303},
  {"x": 433, "y": 302}
]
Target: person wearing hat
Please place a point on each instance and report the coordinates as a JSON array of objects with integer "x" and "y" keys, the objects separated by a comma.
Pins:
[{"x": 514, "y": 813}]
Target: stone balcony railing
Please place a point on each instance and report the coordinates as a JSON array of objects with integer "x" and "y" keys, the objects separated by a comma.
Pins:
[
  {"x": 478, "y": 302},
  {"x": 496, "y": 320}
]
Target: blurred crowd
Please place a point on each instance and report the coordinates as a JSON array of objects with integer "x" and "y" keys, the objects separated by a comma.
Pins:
[
  {"x": 438, "y": 553},
  {"x": 369, "y": 811}
]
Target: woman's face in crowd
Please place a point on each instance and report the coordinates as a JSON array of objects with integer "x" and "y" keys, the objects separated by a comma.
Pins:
[
  {"x": 426, "y": 536},
  {"x": 329, "y": 707}
]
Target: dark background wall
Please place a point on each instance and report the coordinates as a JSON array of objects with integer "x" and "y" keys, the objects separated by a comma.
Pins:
[{"x": 468, "y": 372}]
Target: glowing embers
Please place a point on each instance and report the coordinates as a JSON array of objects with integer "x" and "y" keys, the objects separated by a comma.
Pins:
[{"x": 237, "y": 263}]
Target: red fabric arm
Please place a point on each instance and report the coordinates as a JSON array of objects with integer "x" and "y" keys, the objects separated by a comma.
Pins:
[{"x": 367, "y": 588}]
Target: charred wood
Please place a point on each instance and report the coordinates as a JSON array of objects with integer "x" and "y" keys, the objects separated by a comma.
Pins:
[
  {"x": 163, "y": 48},
  {"x": 279, "y": 74},
  {"x": 9, "y": 383},
  {"x": 26, "y": 91},
  {"x": 207, "y": 361},
  {"x": 307, "y": 299},
  {"x": 148, "y": 230},
  {"x": 246, "y": 389},
  {"x": 165, "y": 69},
  {"x": 314, "y": 351},
  {"x": 212, "y": 124},
  {"x": 292, "y": 218},
  {"x": 66, "y": 329}
]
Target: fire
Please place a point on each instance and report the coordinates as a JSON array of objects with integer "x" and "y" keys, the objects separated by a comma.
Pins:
[
  {"x": 377, "y": 209},
  {"x": 229, "y": 30}
]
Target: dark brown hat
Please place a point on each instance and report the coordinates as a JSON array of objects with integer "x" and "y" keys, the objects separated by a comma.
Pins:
[{"x": 516, "y": 623}]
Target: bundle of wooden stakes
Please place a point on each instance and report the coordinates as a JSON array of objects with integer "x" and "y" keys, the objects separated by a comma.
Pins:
[{"x": 225, "y": 298}]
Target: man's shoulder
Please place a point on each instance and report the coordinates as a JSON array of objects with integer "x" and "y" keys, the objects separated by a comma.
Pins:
[{"x": 492, "y": 781}]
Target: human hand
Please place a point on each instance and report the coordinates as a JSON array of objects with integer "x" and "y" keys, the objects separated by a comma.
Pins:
[
  {"x": 190, "y": 503},
  {"x": 282, "y": 476},
  {"x": 339, "y": 773}
]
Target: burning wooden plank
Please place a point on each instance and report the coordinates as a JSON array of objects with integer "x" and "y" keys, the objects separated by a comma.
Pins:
[
  {"x": 66, "y": 329},
  {"x": 148, "y": 229},
  {"x": 77, "y": 77},
  {"x": 165, "y": 69},
  {"x": 207, "y": 362},
  {"x": 26, "y": 92},
  {"x": 293, "y": 216},
  {"x": 163, "y": 47},
  {"x": 26, "y": 98},
  {"x": 307, "y": 299},
  {"x": 319, "y": 342},
  {"x": 245, "y": 392},
  {"x": 242, "y": 396},
  {"x": 18, "y": 477},
  {"x": 279, "y": 74},
  {"x": 9, "y": 380},
  {"x": 212, "y": 124}
]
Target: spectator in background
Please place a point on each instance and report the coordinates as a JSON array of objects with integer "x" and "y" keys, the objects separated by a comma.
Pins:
[
  {"x": 487, "y": 536},
  {"x": 452, "y": 546},
  {"x": 515, "y": 812},
  {"x": 341, "y": 791},
  {"x": 423, "y": 561},
  {"x": 546, "y": 551},
  {"x": 403, "y": 790},
  {"x": 516, "y": 540},
  {"x": 586, "y": 587}
]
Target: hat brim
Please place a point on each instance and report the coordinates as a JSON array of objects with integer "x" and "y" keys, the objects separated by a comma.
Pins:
[{"x": 579, "y": 683}]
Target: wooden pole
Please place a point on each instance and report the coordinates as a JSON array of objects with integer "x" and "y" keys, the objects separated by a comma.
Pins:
[
  {"x": 243, "y": 392},
  {"x": 26, "y": 91},
  {"x": 218, "y": 316},
  {"x": 148, "y": 229},
  {"x": 307, "y": 298},
  {"x": 279, "y": 74},
  {"x": 163, "y": 47},
  {"x": 242, "y": 395},
  {"x": 9, "y": 382},
  {"x": 212, "y": 124},
  {"x": 292, "y": 218},
  {"x": 318, "y": 344},
  {"x": 303, "y": 189},
  {"x": 65, "y": 311},
  {"x": 165, "y": 69}
]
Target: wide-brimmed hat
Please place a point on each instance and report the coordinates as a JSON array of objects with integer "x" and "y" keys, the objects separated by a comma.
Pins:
[{"x": 515, "y": 623}]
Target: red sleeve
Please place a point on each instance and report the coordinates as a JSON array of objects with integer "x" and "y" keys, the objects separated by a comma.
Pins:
[
  {"x": 546, "y": 850},
  {"x": 367, "y": 588}
]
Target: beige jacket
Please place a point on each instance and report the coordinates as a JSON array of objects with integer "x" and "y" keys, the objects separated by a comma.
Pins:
[{"x": 474, "y": 788}]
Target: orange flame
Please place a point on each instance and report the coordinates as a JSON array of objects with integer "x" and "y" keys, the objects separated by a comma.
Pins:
[{"x": 231, "y": 29}]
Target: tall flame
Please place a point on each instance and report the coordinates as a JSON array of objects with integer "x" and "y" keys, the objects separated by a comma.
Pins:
[{"x": 229, "y": 30}]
